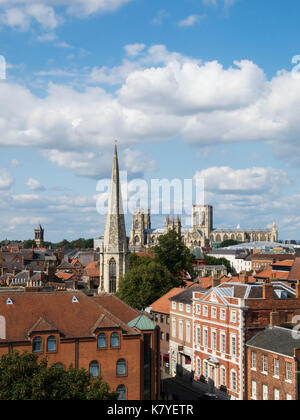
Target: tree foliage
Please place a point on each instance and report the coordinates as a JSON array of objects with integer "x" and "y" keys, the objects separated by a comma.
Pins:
[
  {"x": 148, "y": 279},
  {"x": 228, "y": 242},
  {"x": 172, "y": 253},
  {"x": 145, "y": 282},
  {"x": 210, "y": 260},
  {"x": 23, "y": 377}
]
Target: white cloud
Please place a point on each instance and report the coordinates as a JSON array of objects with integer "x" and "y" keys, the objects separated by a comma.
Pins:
[
  {"x": 134, "y": 49},
  {"x": 190, "y": 20},
  {"x": 21, "y": 13},
  {"x": 162, "y": 95},
  {"x": 241, "y": 182},
  {"x": 34, "y": 185},
  {"x": 6, "y": 180}
]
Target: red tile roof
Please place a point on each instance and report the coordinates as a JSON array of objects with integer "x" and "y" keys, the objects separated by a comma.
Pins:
[
  {"x": 57, "y": 310},
  {"x": 163, "y": 305}
]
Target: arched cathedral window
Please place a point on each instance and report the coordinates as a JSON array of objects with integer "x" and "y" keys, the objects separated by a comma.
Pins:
[{"x": 112, "y": 276}]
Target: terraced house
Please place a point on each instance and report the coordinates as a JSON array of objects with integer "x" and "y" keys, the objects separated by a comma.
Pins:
[{"x": 224, "y": 319}]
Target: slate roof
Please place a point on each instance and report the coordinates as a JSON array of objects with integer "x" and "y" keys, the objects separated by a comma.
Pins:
[
  {"x": 277, "y": 339},
  {"x": 187, "y": 295}
]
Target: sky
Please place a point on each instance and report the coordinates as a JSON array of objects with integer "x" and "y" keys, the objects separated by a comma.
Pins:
[{"x": 191, "y": 89}]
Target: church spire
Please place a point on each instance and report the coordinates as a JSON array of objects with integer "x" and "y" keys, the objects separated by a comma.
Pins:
[{"x": 115, "y": 232}]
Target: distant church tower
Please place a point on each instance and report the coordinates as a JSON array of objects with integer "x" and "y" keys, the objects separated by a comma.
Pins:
[
  {"x": 114, "y": 255},
  {"x": 39, "y": 236}
]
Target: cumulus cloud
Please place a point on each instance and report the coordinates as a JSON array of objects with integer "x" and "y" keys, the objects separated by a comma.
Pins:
[
  {"x": 160, "y": 95},
  {"x": 21, "y": 14},
  {"x": 241, "y": 182},
  {"x": 34, "y": 185},
  {"x": 6, "y": 180}
]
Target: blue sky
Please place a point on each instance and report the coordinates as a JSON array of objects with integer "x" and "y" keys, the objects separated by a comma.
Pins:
[{"x": 188, "y": 87}]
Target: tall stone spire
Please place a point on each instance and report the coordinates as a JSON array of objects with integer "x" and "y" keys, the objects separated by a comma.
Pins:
[
  {"x": 114, "y": 255},
  {"x": 115, "y": 232}
]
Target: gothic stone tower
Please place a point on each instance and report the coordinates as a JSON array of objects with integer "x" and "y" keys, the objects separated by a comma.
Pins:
[
  {"x": 141, "y": 224},
  {"x": 114, "y": 254},
  {"x": 39, "y": 236}
]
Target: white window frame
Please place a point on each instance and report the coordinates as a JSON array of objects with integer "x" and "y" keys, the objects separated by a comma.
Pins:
[
  {"x": 276, "y": 366},
  {"x": 233, "y": 388},
  {"x": 198, "y": 336},
  {"x": 188, "y": 309},
  {"x": 180, "y": 329},
  {"x": 214, "y": 312},
  {"x": 223, "y": 376},
  {"x": 213, "y": 335},
  {"x": 205, "y": 337},
  {"x": 233, "y": 316},
  {"x": 276, "y": 394},
  {"x": 265, "y": 392},
  {"x": 188, "y": 332},
  {"x": 174, "y": 327},
  {"x": 173, "y": 305},
  {"x": 253, "y": 390},
  {"x": 181, "y": 307},
  {"x": 198, "y": 309},
  {"x": 233, "y": 349},
  {"x": 223, "y": 314},
  {"x": 198, "y": 367},
  {"x": 205, "y": 310},
  {"x": 223, "y": 342},
  {"x": 288, "y": 372},
  {"x": 265, "y": 364},
  {"x": 253, "y": 360}
]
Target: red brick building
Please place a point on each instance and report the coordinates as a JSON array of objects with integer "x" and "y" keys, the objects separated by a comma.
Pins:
[
  {"x": 160, "y": 312},
  {"x": 225, "y": 318},
  {"x": 100, "y": 334},
  {"x": 273, "y": 357}
]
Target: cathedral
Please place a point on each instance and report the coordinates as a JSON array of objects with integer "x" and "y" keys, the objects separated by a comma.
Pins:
[
  {"x": 202, "y": 233},
  {"x": 114, "y": 248}
]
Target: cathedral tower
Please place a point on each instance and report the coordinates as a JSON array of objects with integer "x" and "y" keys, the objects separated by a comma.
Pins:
[{"x": 114, "y": 253}]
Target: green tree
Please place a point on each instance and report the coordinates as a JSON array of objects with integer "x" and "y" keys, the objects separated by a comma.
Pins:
[
  {"x": 228, "y": 242},
  {"x": 146, "y": 281},
  {"x": 29, "y": 243},
  {"x": 23, "y": 377},
  {"x": 210, "y": 260},
  {"x": 172, "y": 253}
]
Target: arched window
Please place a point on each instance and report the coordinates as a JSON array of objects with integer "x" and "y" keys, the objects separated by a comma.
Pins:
[
  {"x": 37, "y": 345},
  {"x": 94, "y": 368},
  {"x": 121, "y": 367},
  {"x": 122, "y": 392},
  {"x": 112, "y": 276},
  {"x": 101, "y": 341},
  {"x": 51, "y": 343},
  {"x": 114, "y": 340}
]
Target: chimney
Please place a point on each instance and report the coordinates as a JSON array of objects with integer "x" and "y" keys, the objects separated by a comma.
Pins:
[
  {"x": 268, "y": 290},
  {"x": 215, "y": 281},
  {"x": 244, "y": 278},
  {"x": 274, "y": 319}
]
